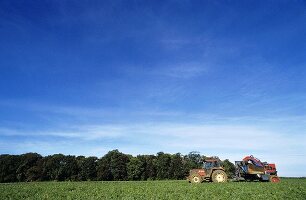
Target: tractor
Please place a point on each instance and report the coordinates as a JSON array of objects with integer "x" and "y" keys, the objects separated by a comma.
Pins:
[
  {"x": 252, "y": 169},
  {"x": 212, "y": 171},
  {"x": 249, "y": 169}
]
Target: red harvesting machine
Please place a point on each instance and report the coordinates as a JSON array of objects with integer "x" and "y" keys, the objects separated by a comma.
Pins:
[{"x": 251, "y": 169}]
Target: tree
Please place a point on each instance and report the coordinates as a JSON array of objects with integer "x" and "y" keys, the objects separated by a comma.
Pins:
[
  {"x": 68, "y": 169},
  {"x": 51, "y": 165},
  {"x": 60, "y": 167},
  {"x": 195, "y": 159},
  {"x": 136, "y": 168},
  {"x": 118, "y": 165},
  {"x": 229, "y": 168},
  {"x": 103, "y": 170},
  {"x": 87, "y": 168},
  {"x": 191, "y": 161},
  {"x": 151, "y": 171},
  {"x": 8, "y": 167},
  {"x": 35, "y": 173},
  {"x": 27, "y": 161},
  {"x": 176, "y": 167},
  {"x": 163, "y": 165},
  {"x": 113, "y": 166}
]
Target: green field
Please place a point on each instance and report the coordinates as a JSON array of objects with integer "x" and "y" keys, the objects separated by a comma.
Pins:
[{"x": 287, "y": 189}]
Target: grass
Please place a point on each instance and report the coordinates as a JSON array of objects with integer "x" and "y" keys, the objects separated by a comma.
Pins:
[{"x": 286, "y": 189}]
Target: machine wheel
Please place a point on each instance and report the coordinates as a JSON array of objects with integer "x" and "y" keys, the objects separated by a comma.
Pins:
[
  {"x": 274, "y": 179},
  {"x": 195, "y": 178},
  {"x": 219, "y": 176}
]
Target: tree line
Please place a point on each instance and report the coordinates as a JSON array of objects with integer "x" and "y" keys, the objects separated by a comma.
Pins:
[{"x": 113, "y": 166}]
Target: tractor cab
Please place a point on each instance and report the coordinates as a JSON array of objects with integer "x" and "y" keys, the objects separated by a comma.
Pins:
[
  {"x": 270, "y": 168},
  {"x": 211, "y": 163}
]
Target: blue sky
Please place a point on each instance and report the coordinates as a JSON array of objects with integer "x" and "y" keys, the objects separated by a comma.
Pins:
[{"x": 223, "y": 78}]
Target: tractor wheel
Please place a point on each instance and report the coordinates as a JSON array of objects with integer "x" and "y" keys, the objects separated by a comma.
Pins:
[
  {"x": 219, "y": 176},
  {"x": 195, "y": 178},
  {"x": 274, "y": 179}
]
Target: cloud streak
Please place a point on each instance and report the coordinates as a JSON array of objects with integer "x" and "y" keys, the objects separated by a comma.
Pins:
[
  {"x": 184, "y": 70},
  {"x": 226, "y": 141},
  {"x": 201, "y": 136}
]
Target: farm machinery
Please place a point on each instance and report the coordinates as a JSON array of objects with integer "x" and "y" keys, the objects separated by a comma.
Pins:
[
  {"x": 212, "y": 171},
  {"x": 249, "y": 169}
]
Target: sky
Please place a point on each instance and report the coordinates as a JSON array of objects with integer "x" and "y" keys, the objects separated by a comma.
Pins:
[{"x": 224, "y": 78}]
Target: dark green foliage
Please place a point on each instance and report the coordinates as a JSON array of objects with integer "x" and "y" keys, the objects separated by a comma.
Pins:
[
  {"x": 52, "y": 167},
  {"x": 151, "y": 171},
  {"x": 68, "y": 169},
  {"x": 194, "y": 159},
  {"x": 191, "y": 161},
  {"x": 25, "y": 169},
  {"x": 136, "y": 168},
  {"x": 8, "y": 167},
  {"x": 163, "y": 162},
  {"x": 103, "y": 170},
  {"x": 142, "y": 167},
  {"x": 87, "y": 168},
  {"x": 176, "y": 167},
  {"x": 59, "y": 167},
  {"x": 229, "y": 168},
  {"x": 118, "y": 164},
  {"x": 35, "y": 173},
  {"x": 112, "y": 166}
]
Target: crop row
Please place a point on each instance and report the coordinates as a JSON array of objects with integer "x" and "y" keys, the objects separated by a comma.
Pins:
[{"x": 287, "y": 189}]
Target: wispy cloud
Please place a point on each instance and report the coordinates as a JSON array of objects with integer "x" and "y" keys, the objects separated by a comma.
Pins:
[
  {"x": 177, "y": 70},
  {"x": 243, "y": 137},
  {"x": 145, "y": 114},
  {"x": 170, "y": 42},
  {"x": 183, "y": 70},
  {"x": 225, "y": 140},
  {"x": 86, "y": 132}
]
